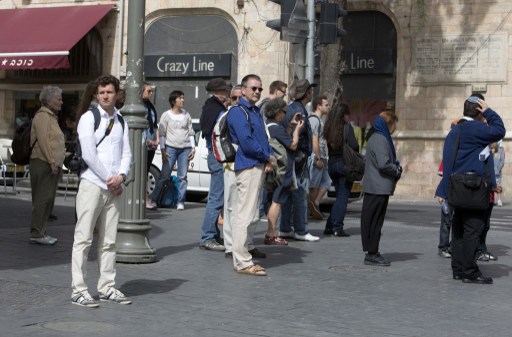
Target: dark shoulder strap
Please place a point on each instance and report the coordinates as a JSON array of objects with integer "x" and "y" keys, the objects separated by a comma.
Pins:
[
  {"x": 121, "y": 120},
  {"x": 319, "y": 122},
  {"x": 97, "y": 118},
  {"x": 456, "y": 147}
]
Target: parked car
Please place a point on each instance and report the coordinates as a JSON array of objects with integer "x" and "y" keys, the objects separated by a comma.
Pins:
[
  {"x": 356, "y": 193},
  {"x": 199, "y": 175}
]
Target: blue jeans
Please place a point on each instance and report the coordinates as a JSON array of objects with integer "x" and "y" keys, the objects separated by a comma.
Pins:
[
  {"x": 215, "y": 203},
  {"x": 444, "y": 230},
  {"x": 338, "y": 210},
  {"x": 175, "y": 155},
  {"x": 298, "y": 201}
]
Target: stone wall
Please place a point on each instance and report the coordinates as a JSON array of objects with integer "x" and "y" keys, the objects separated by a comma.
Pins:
[{"x": 427, "y": 109}]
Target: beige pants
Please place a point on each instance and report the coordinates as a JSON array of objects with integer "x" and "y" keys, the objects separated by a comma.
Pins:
[
  {"x": 230, "y": 198},
  {"x": 100, "y": 208},
  {"x": 248, "y": 184}
]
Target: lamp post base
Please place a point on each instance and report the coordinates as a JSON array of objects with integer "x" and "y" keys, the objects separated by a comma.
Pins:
[{"x": 132, "y": 244}]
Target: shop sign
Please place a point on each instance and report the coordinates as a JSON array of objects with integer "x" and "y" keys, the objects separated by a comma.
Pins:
[
  {"x": 188, "y": 65},
  {"x": 368, "y": 61}
]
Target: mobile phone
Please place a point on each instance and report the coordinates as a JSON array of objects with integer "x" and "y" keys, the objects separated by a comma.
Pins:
[{"x": 298, "y": 117}]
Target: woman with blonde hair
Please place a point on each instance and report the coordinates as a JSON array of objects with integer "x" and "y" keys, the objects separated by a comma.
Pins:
[{"x": 381, "y": 173}]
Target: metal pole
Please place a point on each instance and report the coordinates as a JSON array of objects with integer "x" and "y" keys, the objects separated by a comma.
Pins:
[
  {"x": 132, "y": 238},
  {"x": 310, "y": 44}
]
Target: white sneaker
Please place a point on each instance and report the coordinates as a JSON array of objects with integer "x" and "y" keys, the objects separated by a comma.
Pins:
[
  {"x": 500, "y": 203},
  {"x": 307, "y": 237},
  {"x": 180, "y": 206},
  {"x": 45, "y": 240},
  {"x": 85, "y": 300},
  {"x": 51, "y": 238},
  {"x": 285, "y": 234},
  {"x": 115, "y": 296}
]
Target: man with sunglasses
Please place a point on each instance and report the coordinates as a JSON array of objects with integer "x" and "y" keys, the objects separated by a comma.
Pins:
[
  {"x": 106, "y": 151},
  {"x": 254, "y": 157},
  {"x": 236, "y": 93},
  {"x": 302, "y": 92}
]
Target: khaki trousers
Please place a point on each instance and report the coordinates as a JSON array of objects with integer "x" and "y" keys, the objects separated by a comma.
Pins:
[
  {"x": 230, "y": 198},
  {"x": 44, "y": 188},
  {"x": 248, "y": 184},
  {"x": 95, "y": 207}
]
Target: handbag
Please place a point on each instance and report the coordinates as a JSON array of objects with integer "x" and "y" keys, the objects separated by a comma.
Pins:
[{"x": 468, "y": 190}]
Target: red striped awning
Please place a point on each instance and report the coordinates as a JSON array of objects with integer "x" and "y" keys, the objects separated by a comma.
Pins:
[{"x": 40, "y": 38}]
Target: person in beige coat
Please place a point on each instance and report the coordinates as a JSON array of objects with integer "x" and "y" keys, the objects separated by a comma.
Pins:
[{"x": 45, "y": 162}]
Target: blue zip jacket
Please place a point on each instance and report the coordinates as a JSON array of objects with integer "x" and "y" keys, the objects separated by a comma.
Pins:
[
  {"x": 250, "y": 135},
  {"x": 474, "y": 137}
]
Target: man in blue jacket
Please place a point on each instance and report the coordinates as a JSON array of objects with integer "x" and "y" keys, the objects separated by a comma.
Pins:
[
  {"x": 254, "y": 158},
  {"x": 479, "y": 127}
]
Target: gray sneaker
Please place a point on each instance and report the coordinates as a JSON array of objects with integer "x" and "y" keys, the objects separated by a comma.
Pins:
[
  {"x": 45, "y": 240},
  {"x": 115, "y": 296},
  {"x": 85, "y": 300},
  {"x": 444, "y": 252},
  {"x": 212, "y": 245}
]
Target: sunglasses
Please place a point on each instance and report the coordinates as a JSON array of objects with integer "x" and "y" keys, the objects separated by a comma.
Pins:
[
  {"x": 256, "y": 88},
  {"x": 234, "y": 98}
]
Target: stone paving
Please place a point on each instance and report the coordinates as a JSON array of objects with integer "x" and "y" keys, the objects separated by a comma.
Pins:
[{"x": 312, "y": 289}]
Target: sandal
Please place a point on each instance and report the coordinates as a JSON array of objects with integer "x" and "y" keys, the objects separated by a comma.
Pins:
[
  {"x": 254, "y": 270},
  {"x": 275, "y": 240}
]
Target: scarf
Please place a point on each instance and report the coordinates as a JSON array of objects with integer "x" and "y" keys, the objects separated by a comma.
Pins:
[{"x": 381, "y": 127}]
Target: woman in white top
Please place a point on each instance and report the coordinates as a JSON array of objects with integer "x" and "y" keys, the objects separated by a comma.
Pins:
[{"x": 177, "y": 144}]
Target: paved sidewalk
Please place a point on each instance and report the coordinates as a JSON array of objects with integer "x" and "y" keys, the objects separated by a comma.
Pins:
[{"x": 313, "y": 289}]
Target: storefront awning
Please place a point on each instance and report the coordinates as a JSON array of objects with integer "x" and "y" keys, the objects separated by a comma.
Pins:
[{"x": 40, "y": 38}]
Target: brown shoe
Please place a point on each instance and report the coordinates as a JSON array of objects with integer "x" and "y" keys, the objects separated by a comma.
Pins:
[
  {"x": 314, "y": 211},
  {"x": 275, "y": 240}
]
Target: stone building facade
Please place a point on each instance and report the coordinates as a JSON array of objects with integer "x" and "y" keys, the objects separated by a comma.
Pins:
[{"x": 425, "y": 59}]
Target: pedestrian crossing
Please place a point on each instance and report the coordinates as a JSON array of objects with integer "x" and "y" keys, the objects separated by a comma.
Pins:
[{"x": 501, "y": 222}]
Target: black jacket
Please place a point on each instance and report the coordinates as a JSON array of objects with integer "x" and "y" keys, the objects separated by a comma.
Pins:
[
  {"x": 150, "y": 107},
  {"x": 211, "y": 109}
]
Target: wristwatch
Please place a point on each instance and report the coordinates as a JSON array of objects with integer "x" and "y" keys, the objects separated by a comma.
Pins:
[{"x": 123, "y": 176}]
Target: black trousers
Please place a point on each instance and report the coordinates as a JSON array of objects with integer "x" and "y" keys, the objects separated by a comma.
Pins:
[
  {"x": 372, "y": 219},
  {"x": 467, "y": 228}
]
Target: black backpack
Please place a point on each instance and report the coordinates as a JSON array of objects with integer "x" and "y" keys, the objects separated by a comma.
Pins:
[{"x": 21, "y": 146}]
